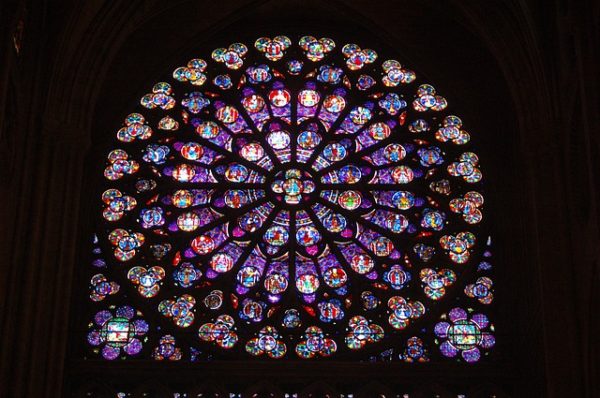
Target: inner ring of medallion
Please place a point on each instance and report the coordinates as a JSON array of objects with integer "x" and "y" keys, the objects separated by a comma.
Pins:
[{"x": 292, "y": 186}]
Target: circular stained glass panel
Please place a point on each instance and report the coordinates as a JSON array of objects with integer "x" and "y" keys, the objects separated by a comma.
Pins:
[{"x": 292, "y": 199}]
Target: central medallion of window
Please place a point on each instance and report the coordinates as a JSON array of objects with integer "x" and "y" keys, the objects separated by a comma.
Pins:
[{"x": 293, "y": 186}]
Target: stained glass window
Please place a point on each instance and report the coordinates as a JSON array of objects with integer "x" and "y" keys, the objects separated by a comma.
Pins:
[{"x": 292, "y": 199}]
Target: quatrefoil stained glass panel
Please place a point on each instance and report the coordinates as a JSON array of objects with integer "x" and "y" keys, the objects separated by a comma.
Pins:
[{"x": 291, "y": 199}]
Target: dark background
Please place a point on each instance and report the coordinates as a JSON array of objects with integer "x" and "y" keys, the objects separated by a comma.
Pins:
[{"x": 523, "y": 73}]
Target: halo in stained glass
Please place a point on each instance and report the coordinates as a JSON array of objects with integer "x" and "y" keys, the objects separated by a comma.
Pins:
[{"x": 293, "y": 199}]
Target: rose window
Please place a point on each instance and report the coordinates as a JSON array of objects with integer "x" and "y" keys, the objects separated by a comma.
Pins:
[{"x": 292, "y": 199}]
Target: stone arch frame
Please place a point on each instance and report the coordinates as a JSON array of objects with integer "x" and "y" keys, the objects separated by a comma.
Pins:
[
  {"x": 67, "y": 114},
  {"x": 100, "y": 140}
]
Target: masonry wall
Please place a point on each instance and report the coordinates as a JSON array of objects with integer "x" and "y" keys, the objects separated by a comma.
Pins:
[{"x": 524, "y": 71}]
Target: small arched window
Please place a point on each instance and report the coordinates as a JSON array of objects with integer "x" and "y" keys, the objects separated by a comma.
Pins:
[{"x": 293, "y": 200}]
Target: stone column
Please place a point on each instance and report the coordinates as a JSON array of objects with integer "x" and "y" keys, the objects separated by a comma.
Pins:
[{"x": 42, "y": 261}]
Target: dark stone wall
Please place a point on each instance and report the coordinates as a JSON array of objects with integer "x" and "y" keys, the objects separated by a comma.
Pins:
[{"x": 524, "y": 73}]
